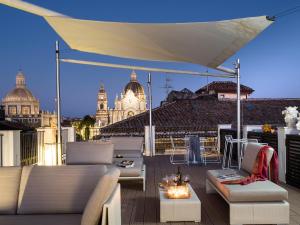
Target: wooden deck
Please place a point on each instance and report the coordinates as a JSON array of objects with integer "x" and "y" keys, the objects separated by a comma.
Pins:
[{"x": 140, "y": 207}]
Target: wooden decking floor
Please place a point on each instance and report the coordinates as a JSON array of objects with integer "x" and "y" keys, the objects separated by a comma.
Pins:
[{"x": 140, "y": 207}]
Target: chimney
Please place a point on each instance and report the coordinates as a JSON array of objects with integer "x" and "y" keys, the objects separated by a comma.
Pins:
[{"x": 2, "y": 113}]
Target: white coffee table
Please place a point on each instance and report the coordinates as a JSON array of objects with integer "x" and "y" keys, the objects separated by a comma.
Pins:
[{"x": 179, "y": 209}]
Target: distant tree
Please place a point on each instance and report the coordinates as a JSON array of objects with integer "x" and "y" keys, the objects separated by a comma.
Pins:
[{"x": 86, "y": 123}]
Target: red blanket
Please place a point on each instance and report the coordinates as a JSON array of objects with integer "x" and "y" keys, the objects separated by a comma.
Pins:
[{"x": 260, "y": 170}]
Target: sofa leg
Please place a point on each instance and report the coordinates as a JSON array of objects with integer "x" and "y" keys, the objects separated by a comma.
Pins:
[
  {"x": 144, "y": 177},
  {"x": 209, "y": 188}
]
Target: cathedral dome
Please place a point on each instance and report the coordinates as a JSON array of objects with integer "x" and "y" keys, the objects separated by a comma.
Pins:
[
  {"x": 134, "y": 85},
  {"x": 20, "y": 93}
]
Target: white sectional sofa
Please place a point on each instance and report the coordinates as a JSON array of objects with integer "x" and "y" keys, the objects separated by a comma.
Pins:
[
  {"x": 106, "y": 152},
  {"x": 130, "y": 148},
  {"x": 60, "y": 195},
  {"x": 261, "y": 202}
]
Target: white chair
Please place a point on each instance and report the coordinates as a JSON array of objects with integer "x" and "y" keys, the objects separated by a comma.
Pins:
[
  {"x": 210, "y": 151},
  {"x": 230, "y": 141},
  {"x": 228, "y": 138},
  {"x": 174, "y": 161}
]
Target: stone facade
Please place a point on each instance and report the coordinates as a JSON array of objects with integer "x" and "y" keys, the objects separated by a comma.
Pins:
[
  {"x": 132, "y": 101},
  {"x": 22, "y": 106}
]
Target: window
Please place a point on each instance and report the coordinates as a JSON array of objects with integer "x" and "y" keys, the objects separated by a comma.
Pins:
[
  {"x": 101, "y": 106},
  {"x": 25, "y": 110},
  {"x": 12, "y": 110},
  {"x": 130, "y": 113}
]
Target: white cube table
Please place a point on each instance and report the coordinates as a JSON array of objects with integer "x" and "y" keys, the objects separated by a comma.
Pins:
[{"x": 179, "y": 209}]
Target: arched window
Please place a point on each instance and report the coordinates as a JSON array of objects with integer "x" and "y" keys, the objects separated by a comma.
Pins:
[
  {"x": 130, "y": 113},
  {"x": 101, "y": 106}
]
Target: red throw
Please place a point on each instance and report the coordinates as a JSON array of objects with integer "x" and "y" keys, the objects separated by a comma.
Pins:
[{"x": 260, "y": 169}]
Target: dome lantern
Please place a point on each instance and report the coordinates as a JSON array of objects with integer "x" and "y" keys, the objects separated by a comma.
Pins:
[
  {"x": 133, "y": 76},
  {"x": 20, "y": 80}
]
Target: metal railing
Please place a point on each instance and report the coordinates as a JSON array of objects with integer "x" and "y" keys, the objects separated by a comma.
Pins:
[
  {"x": 29, "y": 147},
  {"x": 269, "y": 138},
  {"x": 293, "y": 160},
  {"x": 1, "y": 150}
]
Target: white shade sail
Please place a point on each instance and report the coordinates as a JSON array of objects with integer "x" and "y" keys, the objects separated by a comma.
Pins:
[
  {"x": 205, "y": 43},
  {"x": 208, "y": 44}
]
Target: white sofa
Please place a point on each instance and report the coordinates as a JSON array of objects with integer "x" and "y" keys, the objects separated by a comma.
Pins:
[
  {"x": 60, "y": 195},
  {"x": 106, "y": 152},
  {"x": 261, "y": 202},
  {"x": 130, "y": 148}
]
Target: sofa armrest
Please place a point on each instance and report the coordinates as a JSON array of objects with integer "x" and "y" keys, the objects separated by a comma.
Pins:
[{"x": 111, "y": 214}]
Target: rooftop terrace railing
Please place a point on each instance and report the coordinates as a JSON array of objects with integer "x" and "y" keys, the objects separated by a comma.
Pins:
[
  {"x": 270, "y": 138},
  {"x": 1, "y": 150},
  {"x": 223, "y": 133},
  {"x": 29, "y": 148},
  {"x": 293, "y": 160}
]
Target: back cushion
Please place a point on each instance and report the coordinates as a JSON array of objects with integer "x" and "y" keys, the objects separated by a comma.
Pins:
[
  {"x": 250, "y": 155},
  {"x": 57, "y": 189},
  {"x": 102, "y": 192},
  {"x": 127, "y": 143},
  {"x": 87, "y": 153},
  {"x": 9, "y": 189}
]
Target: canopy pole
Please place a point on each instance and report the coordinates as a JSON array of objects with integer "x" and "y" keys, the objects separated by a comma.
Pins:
[
  {"x": 238, "y": 95},
  {"x": 150, "y": 113},
  {"x": 59, "y": 149}
]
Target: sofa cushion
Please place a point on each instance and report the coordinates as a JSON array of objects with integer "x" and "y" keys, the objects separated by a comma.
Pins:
[
  {"x": 128, "y": 146},
  {"x": 9, "y": 189},
  {"x": 134, "y": 171},
  {"x": 260, "y": 191},
  {"x": 58, "y": 219},
  {"x": 128, "y": 153},
  {"x": 105, "y": 187},
  {"x": 250, "y": 155},
  {"x": 57, "y": 189},
  {"x": 88, "y": 153}
]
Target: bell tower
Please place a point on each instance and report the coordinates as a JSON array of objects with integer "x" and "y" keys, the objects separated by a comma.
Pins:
[{"x": 102, "y": 108}]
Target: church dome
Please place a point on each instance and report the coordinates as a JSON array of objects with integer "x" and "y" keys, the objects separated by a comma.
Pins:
[
  {"x": 134, "y": 85},
  {"x": 20, "y": 93}
]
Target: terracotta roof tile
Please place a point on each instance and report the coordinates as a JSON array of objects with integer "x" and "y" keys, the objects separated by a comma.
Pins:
[{"x": 204, "y": 114}]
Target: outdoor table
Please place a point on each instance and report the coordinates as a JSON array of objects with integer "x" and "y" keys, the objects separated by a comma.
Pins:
[{"x": 179, "y": 209}]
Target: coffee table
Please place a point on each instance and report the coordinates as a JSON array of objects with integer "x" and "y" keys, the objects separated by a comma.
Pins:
[{"x": 179, "y": 209}]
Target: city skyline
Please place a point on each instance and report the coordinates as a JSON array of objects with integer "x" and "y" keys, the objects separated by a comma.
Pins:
[{"x": 80, "y": 84}]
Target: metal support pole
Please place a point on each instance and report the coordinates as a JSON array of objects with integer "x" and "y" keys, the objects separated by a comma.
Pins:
[
  {"x": 150, "y": 114},
  {"x": 59, "y": 147},
  {"x": 238, "y": 109}
]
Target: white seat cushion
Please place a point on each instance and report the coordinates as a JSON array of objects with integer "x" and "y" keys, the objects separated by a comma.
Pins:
[
  {"x": 9, "y": 189},
  {"x": 57, "y": 189},
  {"x": 134, "y": 171},
  {"x": 259, "y": 191}
]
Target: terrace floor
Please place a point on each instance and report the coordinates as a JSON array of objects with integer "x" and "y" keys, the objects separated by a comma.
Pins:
[{"x": 140, "y": 207}]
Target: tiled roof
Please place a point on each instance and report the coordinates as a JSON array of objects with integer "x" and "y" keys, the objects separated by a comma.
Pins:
[
  {"x": 224, "y": 86},
  {"x": 178, "y": 95},
  {"x": 204, "y": 114}
]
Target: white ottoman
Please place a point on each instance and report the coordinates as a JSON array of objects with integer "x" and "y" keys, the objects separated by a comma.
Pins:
[{"x": 180, "y": 209}]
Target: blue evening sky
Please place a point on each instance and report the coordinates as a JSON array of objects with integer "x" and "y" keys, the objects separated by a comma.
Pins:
[{"x": 269, "y": 64}]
